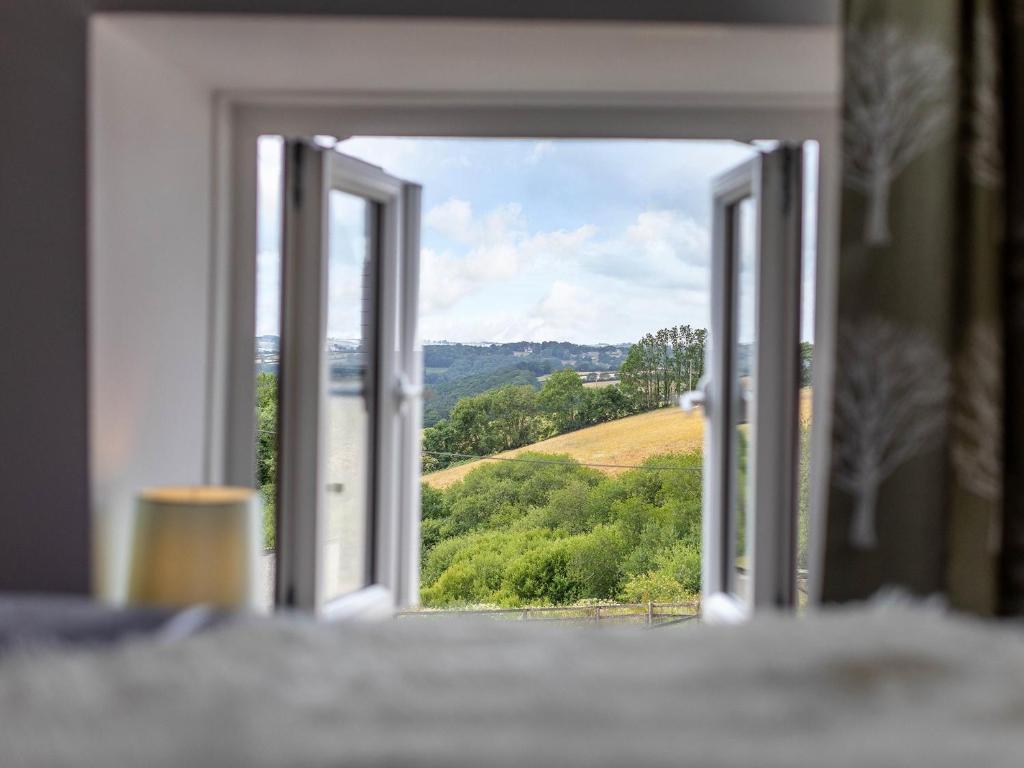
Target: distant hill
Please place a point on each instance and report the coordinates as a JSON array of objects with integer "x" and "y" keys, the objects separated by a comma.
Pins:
[
  {"x": 454, "y": 371},
  {"x": 540, "y": 357},
  {"x": 441, "y": 396}
]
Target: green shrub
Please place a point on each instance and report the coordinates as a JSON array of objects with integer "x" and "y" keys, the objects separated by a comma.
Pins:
[
  {"x": 541, "y": 575},
  {"x": 683, "y": 564},
  {"x": 547, "y": 531},
  {"x": 655, "y": 538},
  {"x": 268, "y": 498},
  {"x": 567, "y": 508},
  {"x": 655, "y": 587},
  {"x": 595, "y": 562}
]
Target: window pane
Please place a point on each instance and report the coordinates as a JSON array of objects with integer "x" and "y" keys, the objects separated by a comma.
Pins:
[
  {"x": 348, "y": 433},
  {"x": 807, "y": 298},
  {"x": 268, "y": 328},
  {"x": 744, "y": 355}
]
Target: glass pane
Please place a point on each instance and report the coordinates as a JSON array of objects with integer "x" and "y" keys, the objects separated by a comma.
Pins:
[
  {"x": 744, "y": 355},
  {"x": 268, "y": 328},
  {"x": 348, "y": 434},
  {"x": 807, "y": 297}
]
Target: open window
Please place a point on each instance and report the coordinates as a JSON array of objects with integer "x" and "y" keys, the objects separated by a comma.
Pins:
[
  {"x": 348, "y": 496},
  {"x": 751, "y": 393}
]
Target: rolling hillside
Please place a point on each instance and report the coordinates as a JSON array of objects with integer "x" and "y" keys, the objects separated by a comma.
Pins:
[{"x": 626, "y": 441}]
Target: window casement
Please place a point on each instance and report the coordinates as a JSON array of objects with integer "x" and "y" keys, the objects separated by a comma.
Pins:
[
  {"x": 751, "y": 393},
  {"x": 350, "y": 384}
]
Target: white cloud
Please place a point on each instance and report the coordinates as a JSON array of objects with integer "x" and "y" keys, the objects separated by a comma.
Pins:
[
  {"x": 565, "y": 312},
  {"x": 498, "y": 247},
  {"x": 452, "y": 218},
  {"x": 661, "y": 247},
  {"x": 588, "y": 280},
  {"x": 269, "y": 170},
  {"x": 489, "y": 273},
  {"x": 409, "y": 159},
  {"x": 539, "y": 151},
  {"x": 268, "y": 293},
  {"x": 605, "y": 310},
  {"x": 670, "y": 235}
]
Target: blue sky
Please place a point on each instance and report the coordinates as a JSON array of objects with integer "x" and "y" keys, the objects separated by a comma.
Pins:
[{"x": 584, "y": 241}]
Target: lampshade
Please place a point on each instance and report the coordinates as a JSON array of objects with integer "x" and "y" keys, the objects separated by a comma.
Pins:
[{"x": 195, "y": 544}]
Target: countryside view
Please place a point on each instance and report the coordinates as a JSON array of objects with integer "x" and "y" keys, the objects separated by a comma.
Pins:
[{"x": 558, "y": 471}]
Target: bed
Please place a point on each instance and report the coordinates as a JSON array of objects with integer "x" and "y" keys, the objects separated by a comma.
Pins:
[{"x": 902, "y": 685}]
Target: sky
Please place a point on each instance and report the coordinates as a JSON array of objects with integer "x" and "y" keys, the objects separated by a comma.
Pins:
[{"x": 533, "y": 240}]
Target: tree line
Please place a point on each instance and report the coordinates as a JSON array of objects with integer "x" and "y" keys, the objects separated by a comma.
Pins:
[
  {"x": 657, "y": 368},
  {"x": 664, "y": 364}
]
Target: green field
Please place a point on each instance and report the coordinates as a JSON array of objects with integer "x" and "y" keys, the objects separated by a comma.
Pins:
[
  {"x": 628, "y": 441},
  {"x": 625, "y": 442}
]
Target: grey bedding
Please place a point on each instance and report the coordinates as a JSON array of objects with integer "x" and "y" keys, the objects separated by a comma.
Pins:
[
  {"x": 855, "y": 688},
  {"x": 28, "y": 621}
]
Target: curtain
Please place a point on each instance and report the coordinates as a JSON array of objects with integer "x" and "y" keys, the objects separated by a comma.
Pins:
[
  {"x": 1011, "y": 574},
  {"x": 918, "y": 477}
]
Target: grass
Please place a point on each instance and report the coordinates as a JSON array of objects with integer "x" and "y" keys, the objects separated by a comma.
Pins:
[{"x": 626, "y": 441}]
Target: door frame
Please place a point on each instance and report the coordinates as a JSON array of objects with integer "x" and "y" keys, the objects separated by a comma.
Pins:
[{"x": 242, "y": 117}]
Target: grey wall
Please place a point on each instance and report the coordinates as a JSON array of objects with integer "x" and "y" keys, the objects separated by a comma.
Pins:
[
  {"x": 44, "y": 525},
  {"x": 43, "y": 520}
]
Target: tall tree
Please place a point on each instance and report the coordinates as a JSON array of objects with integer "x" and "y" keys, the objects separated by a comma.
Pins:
[
  {"x": 563, "y": 399},
  {"x": 662, "y": 365}
]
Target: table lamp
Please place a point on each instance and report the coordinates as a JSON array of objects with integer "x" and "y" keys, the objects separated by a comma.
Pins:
[{"x": 195, "y": 544}]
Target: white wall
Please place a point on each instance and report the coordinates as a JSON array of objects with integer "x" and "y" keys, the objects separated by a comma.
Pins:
[
  {"x": 148, "y": 291},
  {"x": 154, "y": 81},
  {"x": 715, "y": 64}
]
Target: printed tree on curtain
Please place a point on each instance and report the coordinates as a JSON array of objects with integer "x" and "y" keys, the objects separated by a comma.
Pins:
[
  {"x": 986, "y": 147},
  {"x": 891, "y": 399},
  {"x": 897, "y": 105},
  {"x": 977, "y": 448}
]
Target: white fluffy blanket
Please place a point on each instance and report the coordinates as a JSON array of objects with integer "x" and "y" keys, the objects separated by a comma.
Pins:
[{"x": 869, "y": 687}]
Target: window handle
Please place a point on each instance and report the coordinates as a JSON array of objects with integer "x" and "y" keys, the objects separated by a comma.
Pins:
[
  {"x": 701, "y": 396},
  {"x": 407, "y": 391}
]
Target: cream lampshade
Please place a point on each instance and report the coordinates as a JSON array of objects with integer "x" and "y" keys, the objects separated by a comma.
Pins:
[{"x": 195, "y": 544}]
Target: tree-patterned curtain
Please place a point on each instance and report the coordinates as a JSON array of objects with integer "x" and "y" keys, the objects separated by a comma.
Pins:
[{"x": 919, "y": 416}]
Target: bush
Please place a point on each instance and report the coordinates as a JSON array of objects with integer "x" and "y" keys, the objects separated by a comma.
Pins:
[
  {"x": 683, "y": 564},
  {"x": 541, "y": 575},
  {"x": 567, "y": 508},
  {"x": 268, "y": 497},
  {"x": 595, "y": 562},
  {"x": 554, "y": 533},
  {"x": 654, "y": 539},
  {"x": 654, "y": 587}
]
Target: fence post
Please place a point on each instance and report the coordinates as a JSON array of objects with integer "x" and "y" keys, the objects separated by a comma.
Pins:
[{"x": 650, "y": 613}]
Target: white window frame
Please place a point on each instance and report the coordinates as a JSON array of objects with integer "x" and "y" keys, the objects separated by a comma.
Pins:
[
  {"x": 251, "y": 122},
  {"x": 182, "y": 98},
  {"x": 774, "y": 179},
  {"x": 311, "y": 173}
]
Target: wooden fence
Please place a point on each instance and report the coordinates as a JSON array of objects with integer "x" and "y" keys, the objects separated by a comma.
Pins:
[{"x": 644, "y": 614}]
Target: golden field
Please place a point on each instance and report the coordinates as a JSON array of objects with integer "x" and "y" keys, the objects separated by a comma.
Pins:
[{"x": 626, "y": 441}]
